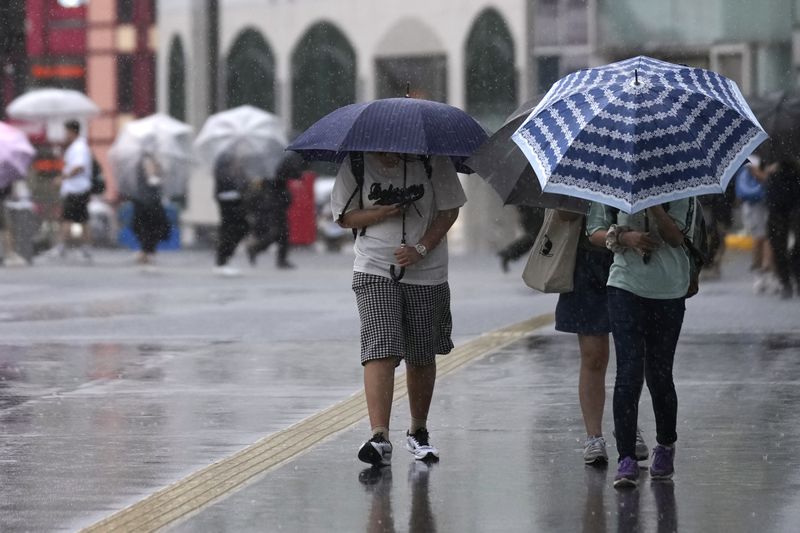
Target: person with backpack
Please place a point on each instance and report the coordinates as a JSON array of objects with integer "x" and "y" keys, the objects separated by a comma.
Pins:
[
  {"x": 75, "y": 189},
  {"x": 647, "y": 287},
  {"x": 401, "y": 208},
  {"x": 230, "y": 187}
]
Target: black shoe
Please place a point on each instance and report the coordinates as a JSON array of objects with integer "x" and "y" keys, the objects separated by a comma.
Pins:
[
  {"x": 504, "y": 260},
  {"x": 377, "y": 451},
  {"x": 285, "y": 265}
]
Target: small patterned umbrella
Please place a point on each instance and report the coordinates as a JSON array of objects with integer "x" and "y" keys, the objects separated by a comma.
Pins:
[
  {"x": 397, "y": 125},
  {"x": 638, "y": 133}
]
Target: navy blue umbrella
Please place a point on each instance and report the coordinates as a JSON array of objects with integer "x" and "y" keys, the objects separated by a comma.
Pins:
[{"x": 397, "y": 125}]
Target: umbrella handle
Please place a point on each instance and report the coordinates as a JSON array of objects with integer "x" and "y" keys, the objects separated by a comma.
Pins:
[{"x": 397, "y": 277}]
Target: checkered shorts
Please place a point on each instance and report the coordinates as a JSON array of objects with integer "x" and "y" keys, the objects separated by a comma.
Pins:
[{"x": 402, "y": 320}]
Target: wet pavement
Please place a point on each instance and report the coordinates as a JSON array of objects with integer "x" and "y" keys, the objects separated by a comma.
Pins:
[
  {"x": 116, "y": 382},
  {"x": 510, "y": 435}
]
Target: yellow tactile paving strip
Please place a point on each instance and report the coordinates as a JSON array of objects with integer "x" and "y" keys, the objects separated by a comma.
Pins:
[{"x": 199, "y": 489}]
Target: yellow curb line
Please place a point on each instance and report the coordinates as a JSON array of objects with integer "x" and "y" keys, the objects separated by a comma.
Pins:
[{"x": 202, "y": 487}]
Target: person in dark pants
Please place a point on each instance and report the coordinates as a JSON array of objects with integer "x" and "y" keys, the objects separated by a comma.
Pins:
[
  {"x": 150, "y": 223},
  {"x": 718, "y": 213},
  {"x": 783, "y": 203},
  {"x": 269, "y": 206},
  {"x": 647, "y": 287},
  {"x": 531, "y": 219},
  {"x": 230, "y": 185}
]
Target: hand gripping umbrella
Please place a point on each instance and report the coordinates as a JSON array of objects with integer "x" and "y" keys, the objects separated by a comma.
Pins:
[
  {"x": 397, "y": 125},
  {"x": 638, "y": 133}
]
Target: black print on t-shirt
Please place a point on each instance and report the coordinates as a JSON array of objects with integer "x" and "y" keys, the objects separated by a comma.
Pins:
[{"x": 395, "y": 195}]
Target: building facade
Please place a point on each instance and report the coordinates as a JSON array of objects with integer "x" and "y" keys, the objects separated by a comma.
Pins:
[
  {"x": 105, "y": 48},
  {"x": 303, "y": 58}
]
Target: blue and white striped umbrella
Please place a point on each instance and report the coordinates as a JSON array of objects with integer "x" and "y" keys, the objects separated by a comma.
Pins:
[{"x": 638, "y": 133}]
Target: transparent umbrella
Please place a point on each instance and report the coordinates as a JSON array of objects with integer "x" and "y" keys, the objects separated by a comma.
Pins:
[
  {"x": 167, "y": 140},
  {"x": 52, "y": 104},
  {"x": 16, "y": 154},
  {"x": 254, "y": 137}
]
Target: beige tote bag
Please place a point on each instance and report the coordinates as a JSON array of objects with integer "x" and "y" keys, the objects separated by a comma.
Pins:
[{"x": 551, "y": 263}]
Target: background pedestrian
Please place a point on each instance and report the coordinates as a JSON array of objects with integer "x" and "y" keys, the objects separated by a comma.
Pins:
[
  {"x": 530, "y": 218},
  {"x": 269, "y": 207},
  {"x": 150, "y": 222},
  {"x": 230, "y": 187},
  {"x": 74, "y": 187}
]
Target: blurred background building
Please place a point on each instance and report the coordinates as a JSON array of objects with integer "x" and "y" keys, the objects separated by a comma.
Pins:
[
  {"x": 105, "y": 48},
  {"x": 304, "y": 58}
]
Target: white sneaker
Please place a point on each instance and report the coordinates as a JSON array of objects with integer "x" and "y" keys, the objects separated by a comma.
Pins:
[
  {"x": 226, "y": 271},
  {"x": 594, "y": 451},
  {"x": 377, "y": 451},
  {"x": 419, "y": 445}
]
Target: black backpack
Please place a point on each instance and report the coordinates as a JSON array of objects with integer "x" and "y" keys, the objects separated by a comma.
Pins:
[
  {"x": 98, "y": 181},
  {"x": 697, "y": 247}
]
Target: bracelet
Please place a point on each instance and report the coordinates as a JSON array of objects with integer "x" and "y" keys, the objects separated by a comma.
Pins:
[{"x": 613, "y": 236}]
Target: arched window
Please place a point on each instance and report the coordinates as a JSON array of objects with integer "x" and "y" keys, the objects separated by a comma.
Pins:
[
  {"x": 323, "y": 75},
  {"x": 490, "y": 76},
  {"x": 177, "y": 80},
  {"x": 251, "y": 72}
]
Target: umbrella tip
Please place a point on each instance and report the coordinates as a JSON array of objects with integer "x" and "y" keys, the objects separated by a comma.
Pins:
[
  {"x": 408, "y": 89},
  {"x": 636, "y": 76}
]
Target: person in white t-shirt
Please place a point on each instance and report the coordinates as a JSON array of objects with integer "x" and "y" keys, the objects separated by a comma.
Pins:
[
  {"x": 75, "y": 189},
  {"x": 402, "y": 214}
]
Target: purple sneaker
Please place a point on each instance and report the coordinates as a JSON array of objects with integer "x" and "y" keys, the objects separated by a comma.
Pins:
[
  {"x": 627, "y": 473},
  {"x": 662, "y": 465}
]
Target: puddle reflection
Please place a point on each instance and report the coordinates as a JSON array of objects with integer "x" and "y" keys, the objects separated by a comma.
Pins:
[
  {"x": 667, "y": 509},
  {"x": 378, "y": 481},
  {"x": 594, "y": 512}
]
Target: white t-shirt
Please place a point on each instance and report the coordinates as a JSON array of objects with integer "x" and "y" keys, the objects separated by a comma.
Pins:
[
  {"x": 77, "y": 155},
  {"x": 384, "y": 186}
]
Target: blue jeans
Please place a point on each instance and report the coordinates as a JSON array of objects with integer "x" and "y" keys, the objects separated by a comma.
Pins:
[{"x": 645, "y": 334}]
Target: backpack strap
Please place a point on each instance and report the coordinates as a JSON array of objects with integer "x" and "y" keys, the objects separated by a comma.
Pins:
[{"x": 357, "y": 168}]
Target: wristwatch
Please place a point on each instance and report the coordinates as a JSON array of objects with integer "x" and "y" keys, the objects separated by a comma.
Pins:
[{"x": 421, "y": 250}]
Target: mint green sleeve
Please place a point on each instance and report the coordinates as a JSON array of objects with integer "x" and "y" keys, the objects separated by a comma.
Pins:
[{"x": 598, "y": 218}]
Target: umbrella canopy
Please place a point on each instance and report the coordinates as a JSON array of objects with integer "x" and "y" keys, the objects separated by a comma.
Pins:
[
  {"x": 638, "y": 133},
  {"x": 254, "y": 137},
  {"x": 16, "y": 154},
  {"x": 397, "y": 125},
  {"x": 503, "y": 166},
  {"x": 779, "y": 114},
  {"x": 167, "y": 140},
  {"x": 54, "y": 104}
]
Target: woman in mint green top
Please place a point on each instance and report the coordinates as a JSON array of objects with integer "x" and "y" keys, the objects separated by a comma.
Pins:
[{"x": 647, "y": 286}]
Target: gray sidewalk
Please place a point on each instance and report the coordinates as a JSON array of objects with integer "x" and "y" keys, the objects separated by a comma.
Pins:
[
  {"x": 510, "y": 432},
  {"x": 118, "y": 383}
]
